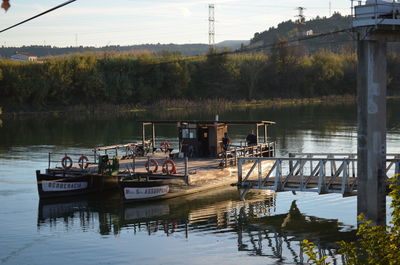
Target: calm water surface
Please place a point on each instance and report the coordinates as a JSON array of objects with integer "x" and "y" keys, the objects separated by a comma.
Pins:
[{"x": 207, "y": 228}]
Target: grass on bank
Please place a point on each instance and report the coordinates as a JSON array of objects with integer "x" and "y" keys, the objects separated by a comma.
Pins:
[{"x": 209, "y": 105}]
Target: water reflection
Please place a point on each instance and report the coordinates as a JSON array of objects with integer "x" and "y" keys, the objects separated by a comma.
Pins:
[
  {"x": 88, "y": 130},
  {"x": 255, "y": 225},
  {"x": 279, "y": 235}
]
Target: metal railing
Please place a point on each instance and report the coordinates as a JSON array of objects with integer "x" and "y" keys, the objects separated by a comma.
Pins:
[
  {"x": 260, "y": 150},
  {"x": 126, "y": 151},
  {"x": 315, "y": 172}
]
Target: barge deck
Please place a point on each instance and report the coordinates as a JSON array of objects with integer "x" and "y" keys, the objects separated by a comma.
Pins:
[{"x": 201, "y": 163}]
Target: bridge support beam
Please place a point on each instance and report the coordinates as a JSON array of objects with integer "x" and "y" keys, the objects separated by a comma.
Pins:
[{"x": 371, "y": 100}]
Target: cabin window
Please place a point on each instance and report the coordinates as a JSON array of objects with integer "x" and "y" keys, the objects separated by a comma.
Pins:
[{"x": 189, "y": 133}]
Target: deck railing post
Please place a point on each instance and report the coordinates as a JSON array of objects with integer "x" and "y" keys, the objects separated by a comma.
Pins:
[
  {"x": 259, "y": 173},
  {"x": 333, "y": 166},
  {"x": 186, "y": 165},
  {"x": 291, "y": 163},
  {"x": 344, "y": 178},
  {"x": 277, "y": 175},
  {"x": 153, "y": 137},
  {"x": 133, "y": 162},
  {"x": 49, "y": 160},
  {"x": 321, "y": 178},
  {"x": 311, "y": 162},
  {"x": 235, "y": 156},
  {"x": 240, "y": 172}
]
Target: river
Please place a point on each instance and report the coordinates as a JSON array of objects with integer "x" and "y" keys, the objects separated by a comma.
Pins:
[{"x": 214, "y": 227}]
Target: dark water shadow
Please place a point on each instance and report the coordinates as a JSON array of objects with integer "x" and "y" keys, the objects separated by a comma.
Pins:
[{"x": 257, "y": 230}]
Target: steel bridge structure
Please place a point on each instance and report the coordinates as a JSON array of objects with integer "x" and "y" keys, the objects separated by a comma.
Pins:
[{"x": 309, "y": 172}]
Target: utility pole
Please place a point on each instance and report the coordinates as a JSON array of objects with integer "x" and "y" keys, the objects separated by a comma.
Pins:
[{"x": 211, "y": 26}]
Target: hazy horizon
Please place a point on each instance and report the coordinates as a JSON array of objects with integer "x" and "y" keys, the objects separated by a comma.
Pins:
[{"x": 128, "y": 22}]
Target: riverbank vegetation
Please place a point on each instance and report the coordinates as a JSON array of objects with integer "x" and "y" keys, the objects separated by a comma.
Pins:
[
  {"x": 145, "y": 79},
  {"x": 378, "y": 245}
]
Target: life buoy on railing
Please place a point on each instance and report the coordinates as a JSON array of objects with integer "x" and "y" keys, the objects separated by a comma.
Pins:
[
  {"x": 66, "y": 162},
  {"x": 83, "y": 162},
  {"x": 171, "y": 168},
  {"x": 164, "y": 146},
  {"x": 155, "y": 165}
]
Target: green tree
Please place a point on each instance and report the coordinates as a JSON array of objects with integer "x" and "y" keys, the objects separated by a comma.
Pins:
[
  {"x": 327, "y": 71},
  {"x": 250, "y": 71}
]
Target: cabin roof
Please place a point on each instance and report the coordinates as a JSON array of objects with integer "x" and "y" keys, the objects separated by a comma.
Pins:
[{"x": 211, "y": 122}]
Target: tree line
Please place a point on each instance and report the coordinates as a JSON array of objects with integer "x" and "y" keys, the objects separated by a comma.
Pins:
[{"x": 146, "y": 79}]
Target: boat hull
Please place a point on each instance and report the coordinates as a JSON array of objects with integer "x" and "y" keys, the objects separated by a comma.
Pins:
[
  {"x": 53, "y": 186},
  {"x": 144, "y": 190}
]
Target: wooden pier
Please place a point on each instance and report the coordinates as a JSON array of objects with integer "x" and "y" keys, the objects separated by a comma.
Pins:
[{"x": 310, "y": 172}]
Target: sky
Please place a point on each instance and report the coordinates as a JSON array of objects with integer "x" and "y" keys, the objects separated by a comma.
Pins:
[{"x": 129, "y": 22}]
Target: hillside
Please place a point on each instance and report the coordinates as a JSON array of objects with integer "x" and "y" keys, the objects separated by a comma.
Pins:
[
  {"x": 289, "y": 30},
  {"x": 183, "y": 49}
]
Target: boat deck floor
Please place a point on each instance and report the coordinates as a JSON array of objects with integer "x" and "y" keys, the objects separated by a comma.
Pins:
[{"x": 203, "y": 173}]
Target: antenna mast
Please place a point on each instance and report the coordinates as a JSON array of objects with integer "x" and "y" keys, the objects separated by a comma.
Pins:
[{"x": 211, "y": 26}]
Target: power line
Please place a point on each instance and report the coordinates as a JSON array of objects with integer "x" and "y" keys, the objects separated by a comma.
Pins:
[
  {"x": 270, "y": 45},
  {"x": 41, "y": 14}
]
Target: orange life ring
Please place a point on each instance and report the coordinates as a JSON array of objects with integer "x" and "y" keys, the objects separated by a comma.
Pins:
[
  {"x": 164, "y": 146},
  {"x": 155, "y": 164},
  {"x": 66, "y": 160},
  {"x": 169, "y": 171},
  {"x": 83, "y": 164}
]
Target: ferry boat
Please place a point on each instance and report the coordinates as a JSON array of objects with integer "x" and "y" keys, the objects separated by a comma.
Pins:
[{"x": 153, "y": 169}]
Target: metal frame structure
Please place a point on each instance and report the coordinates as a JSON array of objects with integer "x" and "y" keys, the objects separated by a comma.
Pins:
[
  {"x": 211, "y": 25},
  {"x": 255, "y": 124},
  {"x": 376, "y": 13},
  {"x": 309, "y": 172}
]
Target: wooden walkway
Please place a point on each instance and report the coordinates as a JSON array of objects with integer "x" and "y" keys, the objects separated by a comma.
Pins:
[{"x": 313, "y": 172}]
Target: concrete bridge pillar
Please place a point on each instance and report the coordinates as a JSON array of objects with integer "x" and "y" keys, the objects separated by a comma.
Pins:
[{"x": 371, "y": 100}]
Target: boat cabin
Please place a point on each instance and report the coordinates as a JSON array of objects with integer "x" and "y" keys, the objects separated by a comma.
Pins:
[{"x": 203, "y": 138}]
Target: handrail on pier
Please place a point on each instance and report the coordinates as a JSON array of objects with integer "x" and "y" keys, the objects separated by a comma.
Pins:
[{"x": 306, "y": 172}]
